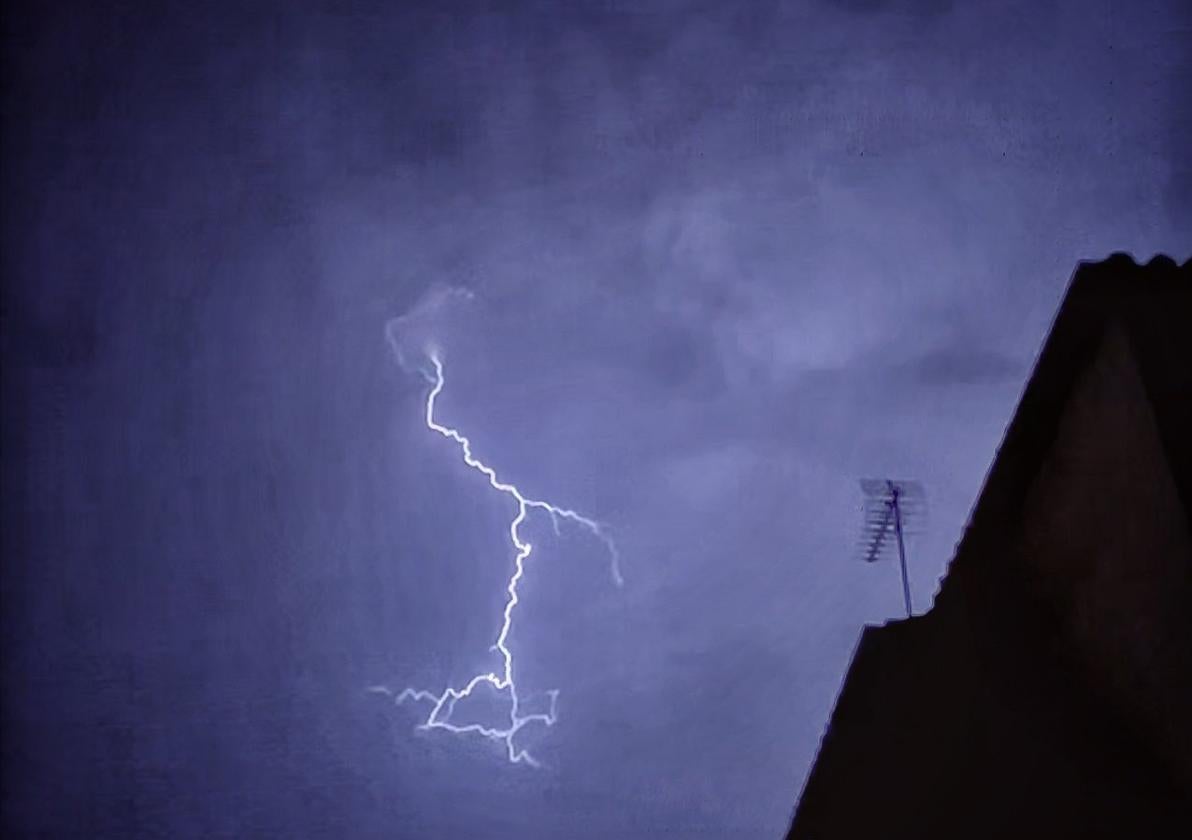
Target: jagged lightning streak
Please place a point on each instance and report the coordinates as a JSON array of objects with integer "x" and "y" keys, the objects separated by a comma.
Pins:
[{"x": 443, "y": 704}]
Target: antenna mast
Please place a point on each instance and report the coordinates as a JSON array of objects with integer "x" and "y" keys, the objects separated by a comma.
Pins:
[{"x": 890, "y": 504}]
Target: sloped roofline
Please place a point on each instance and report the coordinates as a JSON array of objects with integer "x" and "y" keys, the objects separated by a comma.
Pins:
[{"x": 1152, "y": 303}]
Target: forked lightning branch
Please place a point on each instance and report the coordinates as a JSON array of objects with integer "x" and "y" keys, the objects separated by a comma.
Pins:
[{"x": 503, "y": 679}]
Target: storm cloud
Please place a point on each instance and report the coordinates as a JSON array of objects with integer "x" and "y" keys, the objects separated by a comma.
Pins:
[{"x": 694, "y": 269}]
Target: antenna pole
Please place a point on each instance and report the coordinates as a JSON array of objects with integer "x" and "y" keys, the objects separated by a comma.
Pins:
[
  {"x": 891, "y": 506},
  {"x": 906, "y": 587}
]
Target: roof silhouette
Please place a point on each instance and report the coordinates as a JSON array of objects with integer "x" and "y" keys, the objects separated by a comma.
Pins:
[{"x": 1046, "y": 693}]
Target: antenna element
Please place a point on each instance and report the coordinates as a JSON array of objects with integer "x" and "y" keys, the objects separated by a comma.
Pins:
[{"x": 890, "y": 506}]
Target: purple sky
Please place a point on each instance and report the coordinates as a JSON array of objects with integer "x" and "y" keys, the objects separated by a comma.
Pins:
[{"x": 725, "y": 259}]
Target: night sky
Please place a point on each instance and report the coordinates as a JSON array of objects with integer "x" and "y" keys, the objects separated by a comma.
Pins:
[{"x": 694, "y": 269}]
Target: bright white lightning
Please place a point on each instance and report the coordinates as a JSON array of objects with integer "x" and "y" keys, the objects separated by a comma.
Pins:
[{"x": 443, "y": 704}]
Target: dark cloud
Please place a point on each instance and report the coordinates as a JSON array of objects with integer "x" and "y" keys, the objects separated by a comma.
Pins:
[
  {"x": 1178, "y": 194},
  {"x": 915, "y": 7},
  {"x": 962, "y": 365}
]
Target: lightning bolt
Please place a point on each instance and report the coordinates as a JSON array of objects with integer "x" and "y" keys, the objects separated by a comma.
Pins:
[{"x": 443, "y": 704}]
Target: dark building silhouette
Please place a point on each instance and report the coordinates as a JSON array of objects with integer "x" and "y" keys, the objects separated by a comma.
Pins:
[{"x": 1048, "y": 692}]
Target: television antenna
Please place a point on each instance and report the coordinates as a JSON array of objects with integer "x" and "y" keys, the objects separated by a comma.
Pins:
[{"x": 891, "y": 506}]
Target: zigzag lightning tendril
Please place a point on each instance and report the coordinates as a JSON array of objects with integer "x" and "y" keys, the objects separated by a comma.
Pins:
[{"x": 502, "y": 680}]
